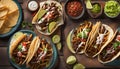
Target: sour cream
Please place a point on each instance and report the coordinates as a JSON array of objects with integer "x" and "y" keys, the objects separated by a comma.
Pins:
[
  {"x": 100, "y": 38},
  {"x": 32, "y": 5}
]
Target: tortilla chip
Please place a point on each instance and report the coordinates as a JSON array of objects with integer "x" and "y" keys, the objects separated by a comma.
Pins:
[
  {"x": 3, "y": 12},
  {"x": 2, "y": 21},
  {"x": 11, "y": 5},
  {"x": 4, "y": 30},
  {"x": 12, "y": 19}
]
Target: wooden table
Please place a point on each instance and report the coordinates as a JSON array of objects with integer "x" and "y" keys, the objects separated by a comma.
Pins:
[
  {"x": 64, "y": 53},
  {"x": 27, "y": 16}
]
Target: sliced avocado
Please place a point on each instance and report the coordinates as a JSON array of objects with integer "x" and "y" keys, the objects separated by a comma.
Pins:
[
  {"x": 68, "y": 40},
  {"x": 51, "y": 26},
  {"x": 41, "y": 13},
  {"x": 56, "y": 39},
  {"x": 20, "y": 48},
  {"x": 71, "y": 60}
]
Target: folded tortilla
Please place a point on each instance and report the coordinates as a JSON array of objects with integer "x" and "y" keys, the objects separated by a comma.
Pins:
[
  {"x": 20, "y": 47},
  {"x": 80, "y": 37},
  {"x": 41, "y": 54},
  {"x": 98, "y": 39},
  {"x": 111, "y": 51},
  {"x": 16, "y": 42}
]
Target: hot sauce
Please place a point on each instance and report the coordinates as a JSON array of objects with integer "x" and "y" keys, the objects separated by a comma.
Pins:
[{"x": 74, "y": 8}]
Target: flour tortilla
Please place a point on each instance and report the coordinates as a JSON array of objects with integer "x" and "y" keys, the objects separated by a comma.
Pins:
[
  {"x": 33, "y": 48},
  {"x": 116, "y": 56},
  {"x": 16, "y": 42},
  {"x": 93, "y": 36},
  {"x": 30, "y": 50}
]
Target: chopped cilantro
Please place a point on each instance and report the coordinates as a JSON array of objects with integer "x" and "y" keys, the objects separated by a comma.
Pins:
[
  {"x": 116, "y": 44},
  {"x": 20, "y": 47}
]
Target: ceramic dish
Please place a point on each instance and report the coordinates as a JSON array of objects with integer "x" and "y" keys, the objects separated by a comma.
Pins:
[
  {"x": 78, "y": 16},
  {"x": 47, "y": 20},
  {"x": 52, "y": 61},
  {"x": 95, "y": 15}
]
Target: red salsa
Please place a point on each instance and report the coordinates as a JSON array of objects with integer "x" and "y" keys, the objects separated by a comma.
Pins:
[{"x": 74, "y": 8}]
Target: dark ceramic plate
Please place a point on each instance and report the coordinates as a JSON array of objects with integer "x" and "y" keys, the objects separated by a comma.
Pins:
[
  {"x": 52, "y": 61},
  {"x": 82, "y": 13},
  {"x": 95, "y": 15}
]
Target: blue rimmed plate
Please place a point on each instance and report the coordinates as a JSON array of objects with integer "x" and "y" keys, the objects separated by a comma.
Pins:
[
  {"x": 52, "y": 61},
  {"x": 115, "y": 62},
  {"x": 10, "y": 60},
  {"x": 18, "y": 22}
]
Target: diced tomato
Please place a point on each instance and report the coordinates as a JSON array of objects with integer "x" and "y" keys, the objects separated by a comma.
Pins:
[
  {"x": 24, "y": 44},
  {"x": 83, "y": 40},
  {"x": 118, "y": 47},
  {"x": 39, "y": 51},
  {"x": 118, "y": 37},
  {"x": 19, "y": 54}
]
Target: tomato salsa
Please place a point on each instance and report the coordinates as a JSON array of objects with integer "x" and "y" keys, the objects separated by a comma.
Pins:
[{"x": 74, "y": 8}]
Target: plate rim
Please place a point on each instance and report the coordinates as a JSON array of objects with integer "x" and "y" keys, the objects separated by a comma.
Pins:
[{"x": 52, "y": 61}]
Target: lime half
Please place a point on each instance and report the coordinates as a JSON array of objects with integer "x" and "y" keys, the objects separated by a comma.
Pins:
[
  {"x": 41, "y": 13},
  {"x": 51, "y": 26},
  {"x": 56, "y": 39},
  {"x": 78, "y": 66},
  {"x": 71, "y": 60},
  {"x": 59, "y": 46}
]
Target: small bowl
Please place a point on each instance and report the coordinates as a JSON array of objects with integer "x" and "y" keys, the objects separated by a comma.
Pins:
[
  {"x": 76, "y": 17},
  {"x": 110, "y": 15},
  {"x": 95, "y": 15}
]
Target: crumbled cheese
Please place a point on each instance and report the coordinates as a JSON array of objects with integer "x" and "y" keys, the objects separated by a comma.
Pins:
[
  {"x": 100, "y": 38},
  {"x": 24, "y": 48}
]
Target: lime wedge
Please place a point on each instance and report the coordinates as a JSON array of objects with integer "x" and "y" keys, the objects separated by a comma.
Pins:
[
  {"x": 56, "y": 39},
  {"x": 88, "y": 4},
  {"x": 16, "y": 35},
  {"x": 41, "y": 13},
  {"x": 71, "y": 60},
  {"x": 51, "y": 26},
  {"x": 59, "y": 46},
  {"x": 79, "y": 66}
]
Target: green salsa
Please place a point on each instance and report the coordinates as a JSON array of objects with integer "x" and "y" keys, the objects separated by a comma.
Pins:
[
  {"x": 96, "y": 8},
  {"x": 112, "y": 8}
]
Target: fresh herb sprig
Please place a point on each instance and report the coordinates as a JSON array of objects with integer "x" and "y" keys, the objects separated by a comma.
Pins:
[{"x": 26, "y": 24}]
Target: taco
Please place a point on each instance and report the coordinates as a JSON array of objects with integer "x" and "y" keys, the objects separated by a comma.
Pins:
[
  {"x": 41, "y": 55},
  {"x": 80, "y": 36},
  {"x": 98, "y": 39},
  {"x": 19, "y": 48},
  {"x": 111, "y": 51},
  {"x": 49, "y": 17}
]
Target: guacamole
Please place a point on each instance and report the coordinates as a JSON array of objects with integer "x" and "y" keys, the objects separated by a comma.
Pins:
[
  {"x": 112, "y": 8},
  {"x": 96, "y": 8}
]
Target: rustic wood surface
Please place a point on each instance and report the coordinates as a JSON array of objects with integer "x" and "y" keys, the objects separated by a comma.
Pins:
[
  {"x": 63, "y": 31},
  {"x": 83, "y": 59}
]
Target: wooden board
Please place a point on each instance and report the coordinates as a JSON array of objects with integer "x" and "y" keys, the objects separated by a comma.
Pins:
[{"x": 86, "y": 61}]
